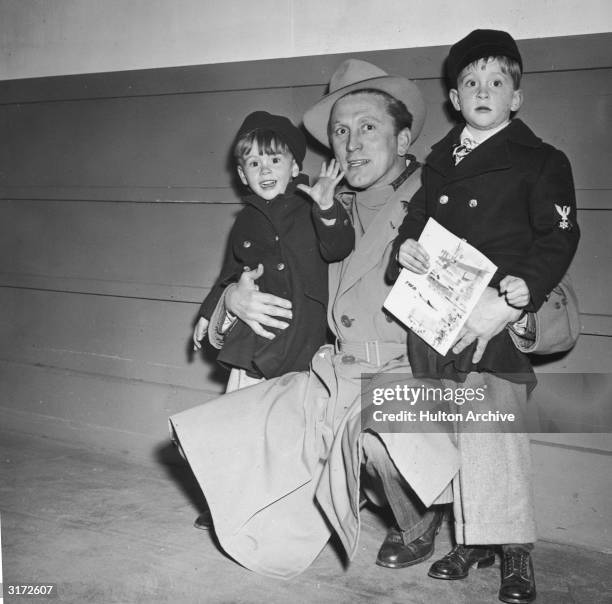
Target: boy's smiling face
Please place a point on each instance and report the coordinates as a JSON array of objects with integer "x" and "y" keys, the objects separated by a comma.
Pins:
[
  {"x": 485, "y": 95},
  {"x": 267, "y": 174}
]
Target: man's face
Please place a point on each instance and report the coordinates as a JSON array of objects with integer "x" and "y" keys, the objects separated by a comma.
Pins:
[
  {"x": 267, "y": 175},
  {"x": 364, "y": 142},
  {"x": 485, "y": 95}
]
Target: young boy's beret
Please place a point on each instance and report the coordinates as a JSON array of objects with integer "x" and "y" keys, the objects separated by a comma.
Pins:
[
  {"x": 480, "y": 44},
  {"x": 292, "y": 136}
]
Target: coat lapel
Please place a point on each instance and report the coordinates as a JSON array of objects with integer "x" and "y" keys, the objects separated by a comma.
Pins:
[
  {"x": 489, "y": 156},
  {"x": 382, "y": 231}
]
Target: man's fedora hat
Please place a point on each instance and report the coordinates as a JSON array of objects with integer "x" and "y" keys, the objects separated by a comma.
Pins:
[{"x": 355, "y": 74}]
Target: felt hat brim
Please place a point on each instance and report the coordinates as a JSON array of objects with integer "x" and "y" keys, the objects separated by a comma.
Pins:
[{"x": 316, "y": 118}]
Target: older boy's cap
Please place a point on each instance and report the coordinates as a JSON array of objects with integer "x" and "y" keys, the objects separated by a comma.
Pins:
[
  {"x": 354, "y": 74},
  {"x": 292, "y": 136},
  {"x": 480, "y": 44}
]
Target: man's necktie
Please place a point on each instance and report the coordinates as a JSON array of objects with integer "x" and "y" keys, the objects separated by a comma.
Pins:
[{"x": 460, "y": 151}]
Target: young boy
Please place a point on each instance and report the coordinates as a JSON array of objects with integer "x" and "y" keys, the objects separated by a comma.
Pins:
[
  {"x": 492, "y": 182},
  {"x": 287, "y": 241}
]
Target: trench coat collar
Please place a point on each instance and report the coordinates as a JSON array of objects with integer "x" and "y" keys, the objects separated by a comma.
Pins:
[
  {"x": 496, "y": 156},
  {"x": 381, "y": 231}
]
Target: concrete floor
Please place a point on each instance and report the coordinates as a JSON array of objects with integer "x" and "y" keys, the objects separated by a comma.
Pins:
[{"x": 108, "y": 530}]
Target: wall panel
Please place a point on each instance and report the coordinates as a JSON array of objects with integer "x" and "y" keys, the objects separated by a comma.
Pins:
[{"x": 146, "y": 250}]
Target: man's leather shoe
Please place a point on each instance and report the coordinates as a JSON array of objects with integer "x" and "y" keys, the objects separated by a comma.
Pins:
[
  {"x": 204, "y": 521},
  {"x": 517, "y": 578},
  {"x": 457, "y": 563},
  {"x": 395, "y": 553}
]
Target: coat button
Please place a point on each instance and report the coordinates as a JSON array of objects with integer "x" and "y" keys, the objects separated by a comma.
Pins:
[
  {"x": 346, "y": 321},
  {"x": 280, "y": 266},
  {"x": 276, "y": 238},
  {"x": 473, "y": 203},
  {"x": 246, "y": 244},
  {"x": 443, "y": 199},
  {"x": 389, "y": 318}
]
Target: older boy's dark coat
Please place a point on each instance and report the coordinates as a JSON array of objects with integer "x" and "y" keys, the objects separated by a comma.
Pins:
[
  {"x": 508, "y": 182},
  {"x": 295, "y": 249}
]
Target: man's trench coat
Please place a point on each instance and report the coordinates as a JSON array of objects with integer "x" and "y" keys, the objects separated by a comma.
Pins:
[{"x": 279, "y": 462}]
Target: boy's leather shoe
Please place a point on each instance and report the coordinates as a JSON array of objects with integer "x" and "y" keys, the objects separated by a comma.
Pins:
[
  {"x": 517, "y": 578},
  {"x": 457, "y": 563},
  {"x": 394, "y": 553}
]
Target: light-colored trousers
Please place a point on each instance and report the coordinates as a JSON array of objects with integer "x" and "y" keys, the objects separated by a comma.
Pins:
[{"x": 492, "y": 492}]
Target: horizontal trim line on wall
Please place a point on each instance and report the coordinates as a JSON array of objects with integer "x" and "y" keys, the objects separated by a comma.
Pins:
[
  {"x": 540, "y": 55},
  {"x": 595, "y": 325},
  {"x": 111, "y": 441},
  {"x": 160, "y": 292},
  {"x": 587, "y": 199},
  {"x": 106, "y": 97},
  {"x": 116, "y": 369},
  {"x": 258, "y": 87},
  {"x": 122, "y": 194},
  {"x": 582, "y": 449}
]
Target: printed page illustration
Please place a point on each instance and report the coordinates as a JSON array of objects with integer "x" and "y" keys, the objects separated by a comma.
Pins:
[{"x": 436, "y": 305}]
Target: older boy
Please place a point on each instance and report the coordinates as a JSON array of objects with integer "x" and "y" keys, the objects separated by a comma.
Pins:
[{"x": 492, "y": 182}]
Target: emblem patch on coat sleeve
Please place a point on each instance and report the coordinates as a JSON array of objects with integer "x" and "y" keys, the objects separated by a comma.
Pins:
[{"x": 564, "y": 212}]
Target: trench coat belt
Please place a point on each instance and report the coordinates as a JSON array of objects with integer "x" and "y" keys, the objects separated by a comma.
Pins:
[{"x": 371, "y": 351}]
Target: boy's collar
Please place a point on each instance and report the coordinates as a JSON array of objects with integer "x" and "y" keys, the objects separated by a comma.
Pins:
[
  {"x": 480, "y": 136},
  {"x": 516, "y": 131},
  {"x": 441, "y": 159}
]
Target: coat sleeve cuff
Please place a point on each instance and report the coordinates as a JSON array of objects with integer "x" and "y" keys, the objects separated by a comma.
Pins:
[
  {"x": 328, "y": 214},
  {"x": 221, "y": 321}
]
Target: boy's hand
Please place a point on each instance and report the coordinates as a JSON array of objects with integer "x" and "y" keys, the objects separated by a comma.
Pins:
[
  {"x": 199, "y": 332},
  {"x": 516, "y": 291},
  {"x": 412, "y": 255},
  {"x": 322, "y": 192}
]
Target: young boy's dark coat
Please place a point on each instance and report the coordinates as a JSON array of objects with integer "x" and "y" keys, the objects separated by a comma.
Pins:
[
  {"x": 295, "y": 248},
  {"x": 510, "y": 180}
]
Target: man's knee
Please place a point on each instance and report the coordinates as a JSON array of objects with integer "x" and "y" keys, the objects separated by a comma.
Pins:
[
  {"x": 376, "y": 459},
  {"x": 374, "y": 451}
]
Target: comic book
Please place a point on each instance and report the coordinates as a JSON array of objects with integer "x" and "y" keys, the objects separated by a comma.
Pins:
[{"x": 437, "y": 304}]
